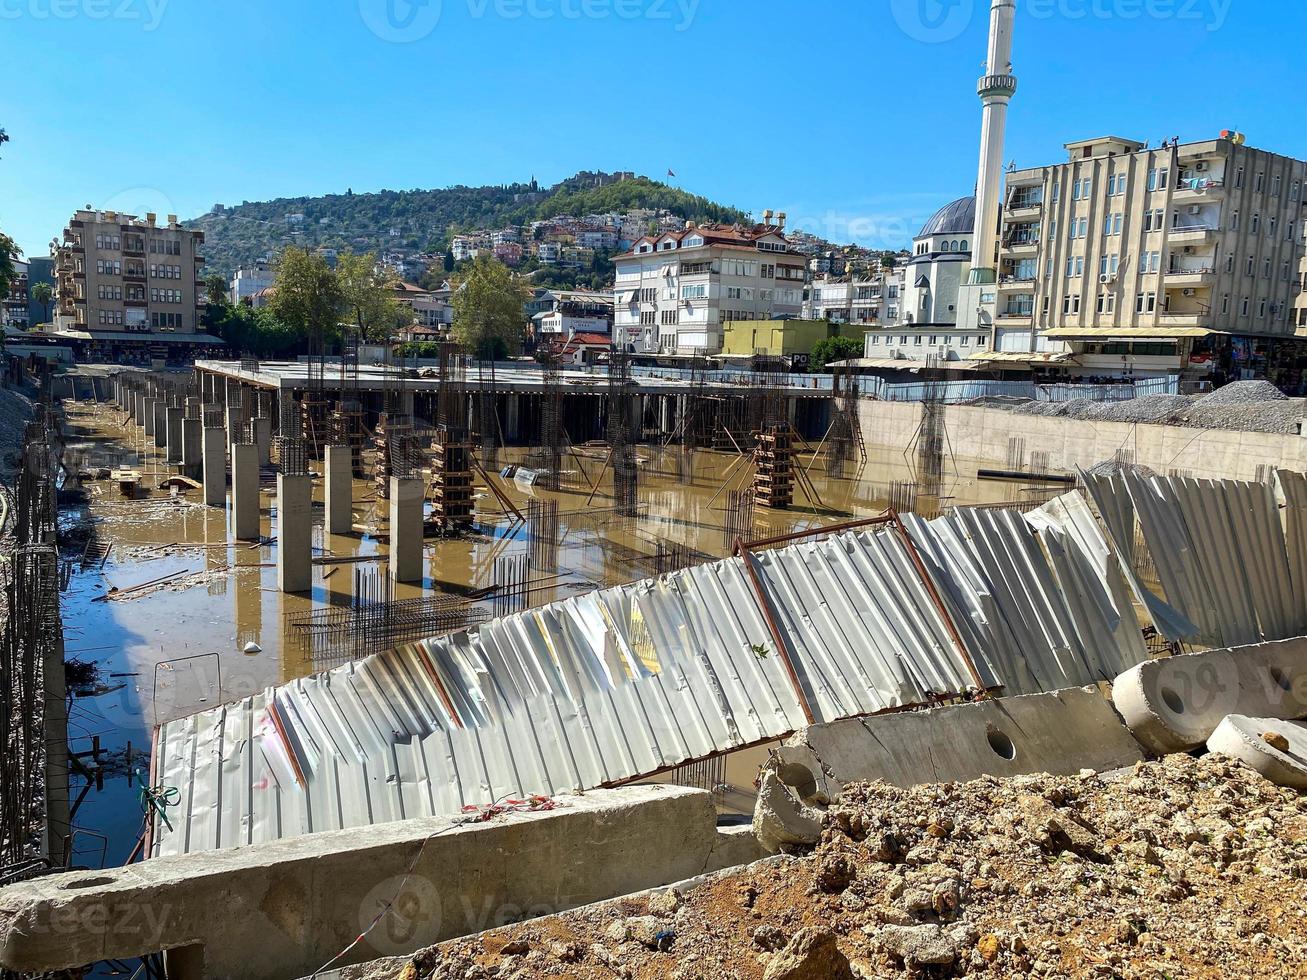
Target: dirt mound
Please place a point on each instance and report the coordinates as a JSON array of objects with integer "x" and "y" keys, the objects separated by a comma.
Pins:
[{"x": 1184, "y": 867}]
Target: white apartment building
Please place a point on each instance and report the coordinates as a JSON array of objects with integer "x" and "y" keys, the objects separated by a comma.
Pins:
[
  {"x": 573, "y": 311},
  {"x": 677, "y": 289},
  {"x": 871, "y": 300},
  {"x": 1121, "y": 258},
  {"x": 250, "y": 281},
  {"x": 14, "y": 309},
  {"x": 604, "y": 239}
]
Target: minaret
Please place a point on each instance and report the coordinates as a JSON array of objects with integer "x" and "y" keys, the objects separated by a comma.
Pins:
[{"x": 996, "y": 89}]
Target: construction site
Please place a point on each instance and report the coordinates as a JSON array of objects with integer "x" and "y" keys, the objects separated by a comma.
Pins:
[{"x": 353, "y": 663}]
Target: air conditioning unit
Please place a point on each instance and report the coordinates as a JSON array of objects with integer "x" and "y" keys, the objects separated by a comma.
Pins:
[
  {"x": 1106, "y": 278},
  {"x": 1201, "y": 167},
  {"x": 1191, "y": 292},
  {"x": 942, "y": 350}
]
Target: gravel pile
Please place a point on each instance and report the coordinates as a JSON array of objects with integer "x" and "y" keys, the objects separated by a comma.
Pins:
[
  {"x": 1248, "y": 406},
  {"x": 1243, "y": 393},
  {"x": 1186, "y": 867}
]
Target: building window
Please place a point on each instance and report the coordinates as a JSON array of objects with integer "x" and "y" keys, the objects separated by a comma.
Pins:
[
  {"x": 1225, "y": 305},
  {"x": 1158, "y": 178},
  {"x": 1275, "y": 186},
  {"x": 1238, "y": 177},
  {"x": 1257, "y": 223},
  {"x": 1249, "y": 270},
  {"x": 1145, "y": 302},
  {"x": 1243, "y": 307},
  {"x": 1260, "y": 183}
]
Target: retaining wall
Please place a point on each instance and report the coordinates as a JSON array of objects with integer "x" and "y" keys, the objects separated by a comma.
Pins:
[
  {"x": 285, "y": 908},
  {"x": 984, "y": 434}
]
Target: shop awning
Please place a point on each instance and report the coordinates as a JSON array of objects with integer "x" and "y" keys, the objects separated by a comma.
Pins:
[
  {"x": 1129, "y": 333},
  {"x": 1006, "y": 358}
]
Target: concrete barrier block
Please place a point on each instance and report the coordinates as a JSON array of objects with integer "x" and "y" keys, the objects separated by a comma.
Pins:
[
  {"x": 1062, "y": 733},
  {"x": 1275, "y": 748},
  {"x": 1174, "y": 704},
  {"x": 285, "y": 908}
]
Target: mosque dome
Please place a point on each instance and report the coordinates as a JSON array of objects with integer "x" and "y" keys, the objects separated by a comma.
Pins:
[{"x": 958, "y": 218}]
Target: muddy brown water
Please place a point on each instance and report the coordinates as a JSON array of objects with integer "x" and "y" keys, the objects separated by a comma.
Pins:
[{"x": 172, "y": 649}]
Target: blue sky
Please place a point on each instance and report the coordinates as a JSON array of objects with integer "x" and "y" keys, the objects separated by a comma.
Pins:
[{"x": 857, "y": 117}]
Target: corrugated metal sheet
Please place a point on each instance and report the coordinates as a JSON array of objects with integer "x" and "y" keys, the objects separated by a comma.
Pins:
[
  {"x": 625, "y": 682},
  {"x": 1220, "y": 550}
]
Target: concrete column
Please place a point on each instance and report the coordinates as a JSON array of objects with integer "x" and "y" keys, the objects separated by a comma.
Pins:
[
  {"x": 192, "y": 446},
  {"x": 160, "y": 416},
  {"x": 263, "y": 438},
  {"x": 234, "y": 417},
  {"x": 668, "y": 413},
  {"x": 339, "y": 467},
  {"x": 175, "y": 416},
  {"x": 215, "y": 467},
  {"x": 193, "y": 408},
  {"x": 148, "y": 415},
  {"x": 406, "y": 499},
  {"x": 245, "y": 491},
  {"x": 294, "y": 533}
]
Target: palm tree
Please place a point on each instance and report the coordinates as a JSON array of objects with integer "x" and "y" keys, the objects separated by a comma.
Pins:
[{"x": 43, "y": 293}]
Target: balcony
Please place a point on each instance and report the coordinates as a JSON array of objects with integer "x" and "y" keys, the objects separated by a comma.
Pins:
[
  {"x": 1199, "y": 188},
  {"x": 1023, "y": 210},
  {"x": 1193, "y": 276},
  {"x": 1198, "y": 234},
  {"x": 1015, "y": 315},
  {"x": 1188, "y": 319},
  {"x": 1024, "y": 283},
  {"x": 1022, "y": 246}
]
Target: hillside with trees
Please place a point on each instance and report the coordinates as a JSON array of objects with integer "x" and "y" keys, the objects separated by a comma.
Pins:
[{"x": 426, "y": 219}]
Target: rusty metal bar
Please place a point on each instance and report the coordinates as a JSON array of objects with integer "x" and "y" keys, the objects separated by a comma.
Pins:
[
  {"x": 742, "y": 550},
  {"x": 937, "y": 599}
]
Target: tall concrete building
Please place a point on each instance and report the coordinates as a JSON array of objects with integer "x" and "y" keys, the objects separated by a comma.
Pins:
[
  {"x": 14, "y": 308},
  {"x": 675, "y": 291},
  {"x": 119, "y": 275},
  {"x": 1122, "y": 257}
]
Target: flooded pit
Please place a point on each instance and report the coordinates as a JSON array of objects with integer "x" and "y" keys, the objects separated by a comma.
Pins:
[{"x": 197, "y": 619}]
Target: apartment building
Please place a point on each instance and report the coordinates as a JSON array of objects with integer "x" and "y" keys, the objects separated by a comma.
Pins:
[
  {"x": 1300, "y": 302},
  {"x": 1122, "y": 257},
  {"x": 120, "y": 274},
  {"x": 248, "y": 281},
  {"x": 571, "y": 311},
  {"x": 14, "y": 308},
  {"x": 675, "y": 291},
  {"x": 871, "y": 300}
]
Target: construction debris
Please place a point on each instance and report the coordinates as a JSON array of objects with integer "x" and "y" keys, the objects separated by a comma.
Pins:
[
  {"x": 1249, "y": 406},
  {"x": 1179, "y": 868}
]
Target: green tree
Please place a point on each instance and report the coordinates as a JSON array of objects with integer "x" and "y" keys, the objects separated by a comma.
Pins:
[
  {"x": 488, "y": 309},
  {"x": 215, "y": 289},
  {"x": 833, "y": 349},
  {"x": 369, "y": 296},
  {"x": 43, "y": 293},
  {"x": 257, "y": 332},
  {"x": 306, "y": 294}
]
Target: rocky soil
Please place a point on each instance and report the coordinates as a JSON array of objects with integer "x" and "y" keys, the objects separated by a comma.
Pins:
[{"x": 1180, "y": 868}]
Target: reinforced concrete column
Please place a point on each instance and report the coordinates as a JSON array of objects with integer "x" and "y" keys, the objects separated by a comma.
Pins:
[
  {"x": 192, "y": 446},
  {"x": 234, "y": 424},
  {"x": 294, "y": 533},
  {"x": 406, "y": 497},
  {"x": 339, "y": 499},
  {"x": 263, "y": 438},
  {"x": 175, "y": 417},
  {"x": 215, "y": 467},
  {"x": 147, "y": 414},
  {"x": 245, "y": 491},
  {"x": 160, "y": 417}
]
